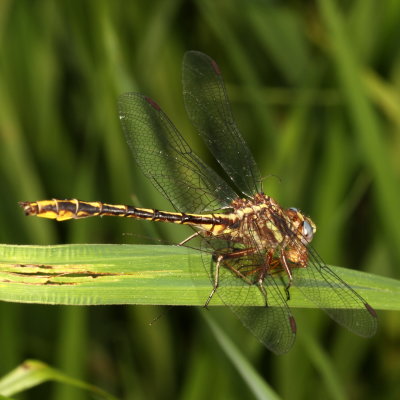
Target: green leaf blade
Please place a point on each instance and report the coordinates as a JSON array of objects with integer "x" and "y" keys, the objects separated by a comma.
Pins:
[{"x": 140, "y": 274}]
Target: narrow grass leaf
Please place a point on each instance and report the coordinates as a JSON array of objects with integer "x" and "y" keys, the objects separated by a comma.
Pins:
[
  {"x": 142, "y": 274},
  {"x": 32, "y": 373},
  {"x": 257, "y": 385}
]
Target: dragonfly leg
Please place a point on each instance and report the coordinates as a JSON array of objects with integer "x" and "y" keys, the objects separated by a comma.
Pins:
[
  {"x": 189, "y": 238},
  {"x": 216, "y": 280},
  {"x": 289, "y": 273},
  {"x": 238, "y": 254},
  {"x": 260, "y": 285},
  {"x": 219, "y": 260},
  {"x": 263, "y": 291}
]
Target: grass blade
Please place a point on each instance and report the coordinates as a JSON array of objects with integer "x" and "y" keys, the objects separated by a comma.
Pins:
[
  {"x": 140, "y": 274},
  {"x": 255, "y": 382},
  {"x": 32, "y": 373}
]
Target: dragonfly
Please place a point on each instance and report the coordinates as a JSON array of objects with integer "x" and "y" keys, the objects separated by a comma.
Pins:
[{"x": 253, "y": 249}]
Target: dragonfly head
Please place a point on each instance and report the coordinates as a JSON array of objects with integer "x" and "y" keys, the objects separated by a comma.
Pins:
[{"x": 302, "y": 225}]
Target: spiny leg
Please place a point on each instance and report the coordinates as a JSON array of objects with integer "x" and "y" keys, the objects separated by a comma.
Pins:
[
  {"x": 262, "y": 290},
  {"x": 189, "y": 238},
  {"x": 283, "y": 265},
  {"x": 216, "y": 280},
  {"x": 220, "y": 258},
  {"x": 260, "y": 285},
  {"x": 289, "y": 273}
]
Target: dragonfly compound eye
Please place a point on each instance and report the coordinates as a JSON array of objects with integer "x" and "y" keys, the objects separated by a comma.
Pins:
[{"x": 308, "y": 231}]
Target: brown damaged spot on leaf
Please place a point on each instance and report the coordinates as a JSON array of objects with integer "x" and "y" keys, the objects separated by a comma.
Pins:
[
  {"x": 41, "y": 266},
  {"x": 44, "y": 274}
]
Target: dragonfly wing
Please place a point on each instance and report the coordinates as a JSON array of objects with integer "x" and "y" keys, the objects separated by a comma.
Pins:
[
  {"x": 167, "y": 160},
  {"x": 330, "y": 293},
  {"x": 274, "y": 327},
  {"x": 272, "y": 324},
  {"x": 209, "y": 111}
]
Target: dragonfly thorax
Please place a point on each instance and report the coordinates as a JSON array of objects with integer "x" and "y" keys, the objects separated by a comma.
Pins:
[{"x": 261, "y": 222}]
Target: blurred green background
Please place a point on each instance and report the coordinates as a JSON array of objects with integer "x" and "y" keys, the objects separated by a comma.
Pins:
[{"x": 314, "y": 87}]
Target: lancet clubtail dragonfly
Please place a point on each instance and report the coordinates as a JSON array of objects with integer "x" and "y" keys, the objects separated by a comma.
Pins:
[{"x": 254, "y": 242}]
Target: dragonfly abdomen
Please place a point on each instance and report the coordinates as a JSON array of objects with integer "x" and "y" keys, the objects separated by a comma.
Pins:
[{"x": 62, "y": 210}]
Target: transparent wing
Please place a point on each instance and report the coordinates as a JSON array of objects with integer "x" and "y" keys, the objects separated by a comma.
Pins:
[
  {"x": 274, "y": 327},
  {"x": 167, "y": 160},
  {"x": 274, "y": 324},
  {"x": 330, "y": 293},
  {"x": 209, "y": 111}
]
